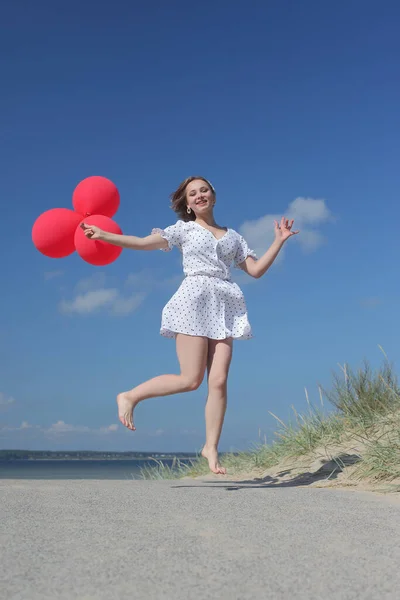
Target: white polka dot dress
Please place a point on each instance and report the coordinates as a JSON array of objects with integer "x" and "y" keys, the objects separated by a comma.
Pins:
[{"x": 207, "y": 303}]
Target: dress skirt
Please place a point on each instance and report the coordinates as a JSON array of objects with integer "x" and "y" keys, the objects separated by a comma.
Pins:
[{"x": 206, "y": 306}]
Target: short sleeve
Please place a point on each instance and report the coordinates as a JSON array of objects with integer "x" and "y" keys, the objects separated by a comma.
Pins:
[
  {"x": 173, "y": 234},
  {"x": 243, "y": 251}
]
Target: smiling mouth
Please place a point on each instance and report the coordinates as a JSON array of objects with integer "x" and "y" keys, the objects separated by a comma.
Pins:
[{"x": 201, "y": 202}]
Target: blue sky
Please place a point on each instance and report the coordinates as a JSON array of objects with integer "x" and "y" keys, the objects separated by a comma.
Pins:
[{"x": 288, "y": 108}]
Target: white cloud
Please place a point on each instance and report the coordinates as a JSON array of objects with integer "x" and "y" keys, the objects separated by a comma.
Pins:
[
  {"x": 89, "y": 302},
  {"x": 94, "y": 282},
  {"x": 6, "y": 400},
  {"x": 308, "y": 214},
  {"x": 113, "y": 427},
  {"x": 102, "y": 299},
  {"x": 61, "y": 428},
  {"x": 124, "y": 306},
  {"x": 100, "y": 292},
  {"x": 309, "y": 211},
  {"x": 24, "y": 425}
]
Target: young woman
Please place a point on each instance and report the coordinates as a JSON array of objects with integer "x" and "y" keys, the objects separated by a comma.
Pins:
[{"x": 208, "y": 311}]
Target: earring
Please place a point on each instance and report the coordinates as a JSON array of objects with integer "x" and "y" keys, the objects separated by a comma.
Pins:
[{"x": 188, "y": 210}]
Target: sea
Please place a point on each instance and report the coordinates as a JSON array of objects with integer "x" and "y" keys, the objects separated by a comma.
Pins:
[{"x": 79, "y": 469}]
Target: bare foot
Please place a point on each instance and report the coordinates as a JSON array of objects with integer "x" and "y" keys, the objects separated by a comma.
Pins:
[
  {"x": 213, "y": 462},
  {"x": 125, "y": 410}
]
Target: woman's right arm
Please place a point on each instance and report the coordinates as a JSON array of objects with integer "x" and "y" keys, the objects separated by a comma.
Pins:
[{"x": 150, "y": 242}]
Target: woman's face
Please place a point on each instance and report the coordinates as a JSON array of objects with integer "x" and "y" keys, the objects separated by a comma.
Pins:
[{"x": 199, "y": 197}]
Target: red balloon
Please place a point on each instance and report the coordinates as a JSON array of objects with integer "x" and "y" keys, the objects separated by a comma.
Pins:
[
  {"x": 97, "y": 252},
  {"x": 96, "y": 196},
  {"x": 54, "y": 230}
]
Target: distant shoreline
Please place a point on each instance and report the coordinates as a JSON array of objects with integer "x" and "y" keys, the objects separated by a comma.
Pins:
[{"x": 21, "y": 455}]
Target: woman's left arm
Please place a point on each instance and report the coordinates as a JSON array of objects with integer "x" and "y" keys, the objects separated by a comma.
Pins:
[{"x": 257, "y": 268}]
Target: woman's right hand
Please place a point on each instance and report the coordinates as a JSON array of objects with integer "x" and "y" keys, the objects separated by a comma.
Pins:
[{"x": 92, "y": 231}]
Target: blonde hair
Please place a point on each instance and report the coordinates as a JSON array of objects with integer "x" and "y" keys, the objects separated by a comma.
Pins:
[{"x": 178, "y": 198}]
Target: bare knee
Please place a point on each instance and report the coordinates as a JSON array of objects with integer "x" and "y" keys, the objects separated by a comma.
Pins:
[
  {"x": 217, "y": 382},
  {"x": 192, "y": 382}
]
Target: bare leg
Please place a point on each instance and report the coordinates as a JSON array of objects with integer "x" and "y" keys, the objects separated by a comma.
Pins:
[
  {"x": 219, "y": 359},
  {"x": 192, "y": 356}
]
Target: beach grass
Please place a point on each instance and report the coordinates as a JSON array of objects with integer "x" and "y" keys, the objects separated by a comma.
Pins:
[{"x": 359, "y": 417}]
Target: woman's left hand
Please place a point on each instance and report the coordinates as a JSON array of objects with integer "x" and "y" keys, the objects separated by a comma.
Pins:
[{"x": 283, "y": 230}]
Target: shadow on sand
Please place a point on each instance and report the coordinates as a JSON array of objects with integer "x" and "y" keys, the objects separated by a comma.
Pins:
[{"x": 329, "y": 470}]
